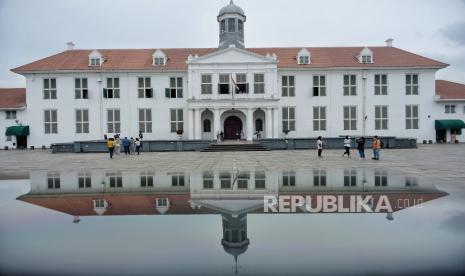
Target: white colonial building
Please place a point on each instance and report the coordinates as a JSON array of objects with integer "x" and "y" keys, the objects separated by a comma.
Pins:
[{"x": 306, "y": 91}]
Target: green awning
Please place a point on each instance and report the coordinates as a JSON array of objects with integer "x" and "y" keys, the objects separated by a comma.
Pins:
[
  {"x": 449, "y": 124},
  {"x": 17, "y": 131}
]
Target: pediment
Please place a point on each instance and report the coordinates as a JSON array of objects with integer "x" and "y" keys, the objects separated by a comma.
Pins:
[{"x": 232, "y": 55}]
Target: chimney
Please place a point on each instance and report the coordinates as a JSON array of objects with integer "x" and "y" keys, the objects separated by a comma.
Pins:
[
  {"x": 70, "y": 45},
  {"x": 389, "y": 42}
]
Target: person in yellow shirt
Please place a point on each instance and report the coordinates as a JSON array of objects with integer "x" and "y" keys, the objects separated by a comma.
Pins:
[
  {"x": 111, "y": 146},
  {"x": 376, "y": 145}
]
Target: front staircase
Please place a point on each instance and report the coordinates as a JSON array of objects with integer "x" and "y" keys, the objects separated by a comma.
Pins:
[{"x": 235, "y": 146}]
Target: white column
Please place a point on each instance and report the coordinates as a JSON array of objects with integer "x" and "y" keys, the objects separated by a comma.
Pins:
[
  {"x": 268, "y": 123},
  {"x": 216, "y": 122},
  {"x": 249, "y": 120},
  {"x": 197, "y": 124},
  {"x": 275, "y": 122},
  {"x": 190, "y": 121}
]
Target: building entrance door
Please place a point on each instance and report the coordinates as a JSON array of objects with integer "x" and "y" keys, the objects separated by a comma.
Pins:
[
  {"x": 232, "y": 128},
  {"x": 21, "y": 142},
  {"x": 440, "y": 135}
]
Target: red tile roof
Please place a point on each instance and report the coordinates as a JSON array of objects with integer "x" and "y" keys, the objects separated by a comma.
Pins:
[
  {"x": 12, "y": 98},
  {"x": 448, "y": 90},
  {"x": 144, "y": 204},
  {"x": 141, "y": 59}
]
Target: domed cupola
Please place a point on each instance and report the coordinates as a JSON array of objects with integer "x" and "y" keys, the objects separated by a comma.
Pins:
[{"x": 231, "y": 20}]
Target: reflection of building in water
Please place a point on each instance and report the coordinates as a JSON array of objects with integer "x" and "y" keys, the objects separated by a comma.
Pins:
[{"x": 231, "y": 194}]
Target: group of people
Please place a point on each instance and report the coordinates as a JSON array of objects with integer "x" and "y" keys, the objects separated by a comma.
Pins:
[
  {"x": 376, "y": 145},
  {"x": 130, "y": 146}
]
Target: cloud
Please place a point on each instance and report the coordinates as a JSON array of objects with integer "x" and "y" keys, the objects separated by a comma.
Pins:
[{"x": 455, "y": 33}]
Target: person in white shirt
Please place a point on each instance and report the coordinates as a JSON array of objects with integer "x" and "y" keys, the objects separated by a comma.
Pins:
[
  {"x": 319, "y": 146},
  {"x": 347, "y": 143}
]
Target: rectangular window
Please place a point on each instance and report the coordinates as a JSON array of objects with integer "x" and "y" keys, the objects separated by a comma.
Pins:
[
  {"x": 159, "y": 61},
  {"x": 82, "y": 121},
  {"x": 50, "y": 121},
  {"x": 145, "y": 120},
  {"x": 319, "y": 177},
  {"x": 411, "y": 117},
  {"x": 144, "y": 88},
  {"x": 80, "y": 88},
  {"x": 350, "y": 85},
  {"x": 113, "y": 120},
  {"x": 381, "y": 86},
  {"x": 115, "y": 179},
  {"x": 289, "y": 118},
  {"x": 381, "y": 117},
  {"x": 207, "y": 180},
  {"x": 366, "y": 59},
  {"x": 9, "y": 138},
  {"x": 50, "y": 89},
  {"x": 85, "y": 180},
  {"x": 11, "y": 114},
  {"x": 260, "y": 180},
  {"x": 319, "y": 118},
  {"x": 380, "y": 178},
  {"x": 319, "y": 86},
  {"x": 53, "y": 180},
  {"x": 288, "y": 86},
  {"x": 146, "y": 179},
  {"x": 206, "y": 86},
  {"x": 225, "y": 180},
  {"x": 178, "y": 180},
  {"x": 350, "y": 117},
  {"x": 350, "y": 177},
  {"x": 289, "y": 179},
  {"x": 95, "y": 61},
  {"x": 112, "y": 90},
  {"x": 175, "y": 90},
  {"x": 223, "y": 85},
  {"x": 243, "y": 180},
  {"x": 411, "y": 181},
  {"x": 241, "y": 84},
  {"x": 450, "y": 108},
  {"x": 177, "y": 121},
  {"x": 411, "y": 84},
  {"x": 259, "y": 84}
]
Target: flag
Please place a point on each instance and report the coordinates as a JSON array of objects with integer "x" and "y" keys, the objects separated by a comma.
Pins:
[{"x": 236, "y": 87}]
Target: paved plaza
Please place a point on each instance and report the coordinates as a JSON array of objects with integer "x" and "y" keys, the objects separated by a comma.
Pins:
[{"x": 437, "y": 160}]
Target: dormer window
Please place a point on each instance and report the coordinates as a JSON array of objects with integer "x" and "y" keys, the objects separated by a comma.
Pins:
[
  {"x": 365, "y": 56},
  {"x": 95, "y": 58},
  {"x": 162, "y": 205},
  {"x": 303, "y": 57},
  {"x": 159, "y": 58}
]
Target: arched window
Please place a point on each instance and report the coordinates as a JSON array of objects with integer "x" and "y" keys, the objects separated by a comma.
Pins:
[
  {"x": 223, "y": 26},
  {"x": 258, "y": 125},
  {"x": 231, "y": 25},
  {"x": 207, "y": 125}
]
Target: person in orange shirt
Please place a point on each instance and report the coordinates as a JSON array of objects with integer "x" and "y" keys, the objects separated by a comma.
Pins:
[
  {"x": 111, "y": 146},
  {"x": 376, "y": 145}
]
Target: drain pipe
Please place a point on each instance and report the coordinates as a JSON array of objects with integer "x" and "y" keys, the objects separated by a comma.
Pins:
[{"x": 364, "y": 102}]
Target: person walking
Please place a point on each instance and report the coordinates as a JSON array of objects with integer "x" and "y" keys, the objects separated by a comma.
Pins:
[
  {"x": 138, "y": 146},
  {"x": 376, "y": 145},
  {"x": 361, "y": 147},
  {"x": 126, "y": 144},
  {"x": 117, "y": 144},
  {"x": 111, "y": 146},
  {"x": 132, "y": 146},
  {"x": 347, "y": 143},
  {"x": 319, "y": 146}
]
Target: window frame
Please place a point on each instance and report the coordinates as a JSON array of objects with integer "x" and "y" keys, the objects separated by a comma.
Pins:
[
  {"x": 176, "y": 121},
  {"x": 206, "y": 84},
  {"x": 50, "y": 92},
  {"x": 381, "y": 121},
  {"x": 115, "y": 124},
  {"x": 412, "y": 88},
  {"x": 144, "y": 88},
  {"x": 318, "y": 121},
  {"x": 81, "y": 91},
  {"x": 145, "y": 125},
  {"x": 288, "y": 90},
  {"x": 10, "y": 115},
  {"x": 112, "y": 89},
  {"x": 351, "y": 119},
  {"x": 349, "y": 86},
  {"x": 410, "y": 119},
  {"x": 259, "y": 83},
  {"x": 52, "y": 124},
  {"x": 287, "y": 119},
  {"x": 380, "y": 84},
  {"x": 319, "y": 89},
  {"x": 175, "y": 90},
  {"x": 81, "y": 125}
]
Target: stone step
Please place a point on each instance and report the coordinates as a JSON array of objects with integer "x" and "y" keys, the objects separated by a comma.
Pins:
[{"x": 235, "y": 147}]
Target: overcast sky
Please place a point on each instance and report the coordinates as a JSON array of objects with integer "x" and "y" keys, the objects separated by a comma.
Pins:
[{"x": 30, "y": 30}]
